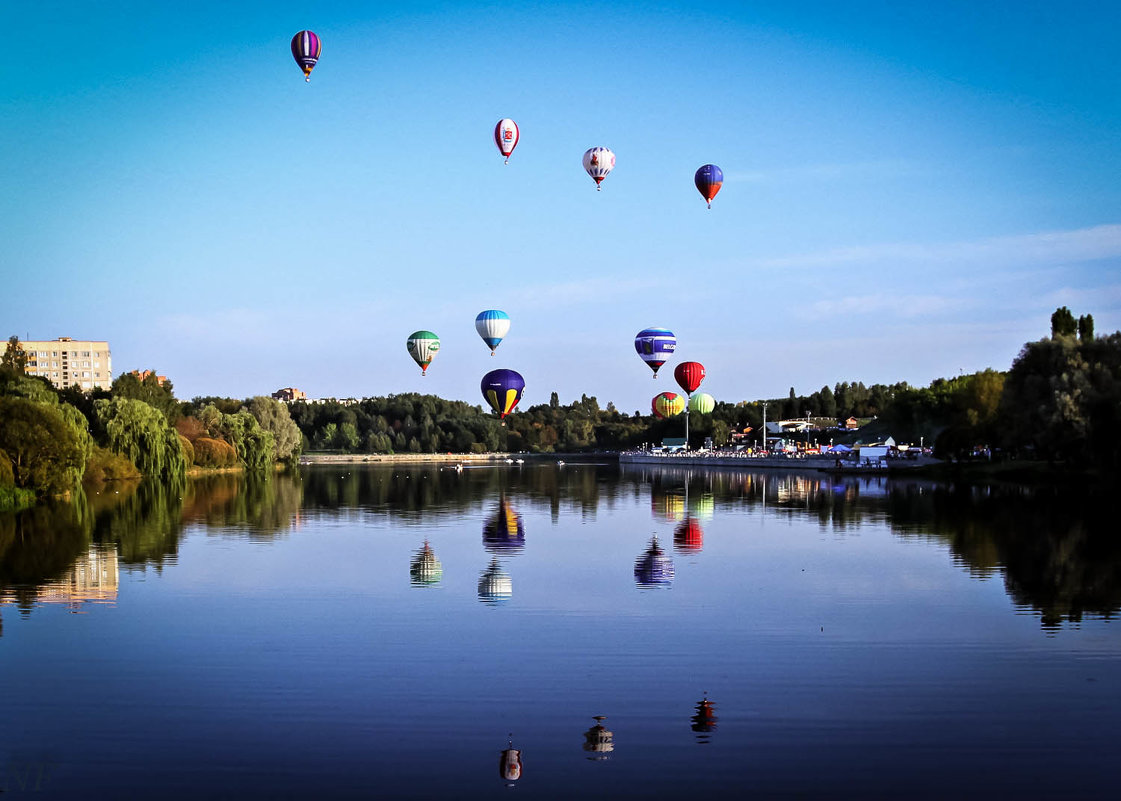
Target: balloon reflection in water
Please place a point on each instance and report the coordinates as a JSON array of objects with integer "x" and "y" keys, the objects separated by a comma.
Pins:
[
  {"x": 510, "y": 763},
  {"x": 704, "y": 720},
  {"x": 598, "y": 740},
  {"x": 688, "y": 537},
  {"x": 503, "y": 531},
  {"x": 495, "y": 586},
  {"x": 425, "y": 569},
  {"x": 653, "y": 568}
]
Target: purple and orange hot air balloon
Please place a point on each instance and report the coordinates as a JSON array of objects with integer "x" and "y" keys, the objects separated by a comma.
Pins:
[
  {"x": 306, "y": 48},
  {"x": 709, "y": 179}
]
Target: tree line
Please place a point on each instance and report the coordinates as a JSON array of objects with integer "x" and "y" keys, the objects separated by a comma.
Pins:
[
  {"x": 51, "y": 440},
  {"x": 1060, "y": 400}
]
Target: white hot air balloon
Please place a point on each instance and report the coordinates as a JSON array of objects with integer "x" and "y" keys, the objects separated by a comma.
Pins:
[
  {"x": 492, "y": 326},
  {"x": 598, "y": 161}
]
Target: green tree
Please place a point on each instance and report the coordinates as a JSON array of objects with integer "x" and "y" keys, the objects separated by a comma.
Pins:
[
  {"x": 1086, "y": 328},
  {"x": 141, "y": 432},
  {"x": 1062, "y": 323},
  {"x": 42, "y": 448},
  {"x": 151, "y": 390},
  {"x": 14, "y": 359},
  {"x": 273, "y": 416}
]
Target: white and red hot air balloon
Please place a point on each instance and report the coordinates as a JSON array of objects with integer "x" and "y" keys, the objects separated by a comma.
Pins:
[{"x": 506, "y": 137}]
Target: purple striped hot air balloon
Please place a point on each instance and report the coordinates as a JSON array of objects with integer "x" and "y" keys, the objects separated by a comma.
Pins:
[{"x": 306, "y": 48}]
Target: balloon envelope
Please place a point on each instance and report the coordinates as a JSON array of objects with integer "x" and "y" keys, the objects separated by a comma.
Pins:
[
  {"x": 423, "y": 347},
  {"x": 492, "y": 326},
  {"x": 506, "y": 137},
  {"x": 668, "y": 404},
  {"x": 709, "y": 179},
  {"x": 502, "y": 389},
  {"x": 689, "y": 375},
  {"x": 702, "y": 403},
  {"x": 598, "y": 161},
  {"x": 306, "y": 48},
  {"x": 655, "y": 345}
]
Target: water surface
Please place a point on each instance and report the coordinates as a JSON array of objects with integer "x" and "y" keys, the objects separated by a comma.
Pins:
[{"x": 363, "y": 631}]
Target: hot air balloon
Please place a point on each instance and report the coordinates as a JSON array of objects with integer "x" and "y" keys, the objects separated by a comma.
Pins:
[
  {"x": 688, "y": 537},
  {"x": 506, "y": 137},
  {"x": 503, "y": 532},
  {"x": 598, "y": 740},
  {"x": 495, "y": 585},
  {"x": 492, "y": 326},
  {"x": 306, "y": 48},
  {"x": 655, "y": 345},
  {"x": 598, "y": 161},
  {"x": 510, "y": 764},
  {"x": 709, "y": 179},
  {"x": 689, "y": 376},
  {"x": 423, "y": 347},
  {"x": 702, "y": 403},
  {"x": 667, "y": 404},
  {"x": 425, "y": 569},
  {"x": 704, "y": 720},
  {"x": 502, "y": 389},
  {"x": 653, "y": 568}
]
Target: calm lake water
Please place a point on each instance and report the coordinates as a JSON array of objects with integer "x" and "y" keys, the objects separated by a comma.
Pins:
[{"x": 418, "y": 632}]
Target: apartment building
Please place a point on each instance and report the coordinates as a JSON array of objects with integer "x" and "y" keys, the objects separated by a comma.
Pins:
[{"x": 67, "y": 362}]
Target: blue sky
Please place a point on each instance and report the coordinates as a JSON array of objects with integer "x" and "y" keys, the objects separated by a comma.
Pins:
[{"x": 910, "y": 190}]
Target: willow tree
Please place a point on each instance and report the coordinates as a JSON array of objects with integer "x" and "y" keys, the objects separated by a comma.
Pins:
[
  {"x": 273, "y": 417},
  {"x": 141, "y": 432}
]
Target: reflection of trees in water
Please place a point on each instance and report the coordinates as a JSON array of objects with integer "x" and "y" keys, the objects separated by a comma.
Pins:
[
  {"x": 142, "y": 518},
  {"x": 1058, "y": 548},
  {"x": 260, "y": 506},
  {"x": 1054, "y": 546},
  {"x": 406, "y": 491},
  {"x": 39, "y": 545}
]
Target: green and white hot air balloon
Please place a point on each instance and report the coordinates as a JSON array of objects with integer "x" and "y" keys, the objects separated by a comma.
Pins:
[
  {"x": 423, "y": 347},
  {"x": 701, "y": 403}
]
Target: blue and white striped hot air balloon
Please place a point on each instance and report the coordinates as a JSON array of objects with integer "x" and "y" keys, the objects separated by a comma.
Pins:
[{"x": 492, "y": 326}]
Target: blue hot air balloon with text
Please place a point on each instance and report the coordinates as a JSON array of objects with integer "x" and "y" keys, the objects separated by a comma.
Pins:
[{"x": 655, "y": 345}]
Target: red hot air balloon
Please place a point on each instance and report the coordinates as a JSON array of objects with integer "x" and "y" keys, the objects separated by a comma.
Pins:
[{"x": 689, "y": 376}]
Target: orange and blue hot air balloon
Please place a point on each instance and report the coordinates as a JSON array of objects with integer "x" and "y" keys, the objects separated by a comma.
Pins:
[
  {"x": 709, "y": 179},
  {"x": 502, "y": 389},
  {"x": 306, "y": 48}
]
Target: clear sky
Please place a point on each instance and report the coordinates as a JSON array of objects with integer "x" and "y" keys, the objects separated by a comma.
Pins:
[{"x": 910, "y": 189}]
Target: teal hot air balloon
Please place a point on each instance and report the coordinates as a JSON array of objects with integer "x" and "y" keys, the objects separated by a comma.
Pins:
[
  {"x": 701, "y": 403},
  {"x": 423, "y": 347}
]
